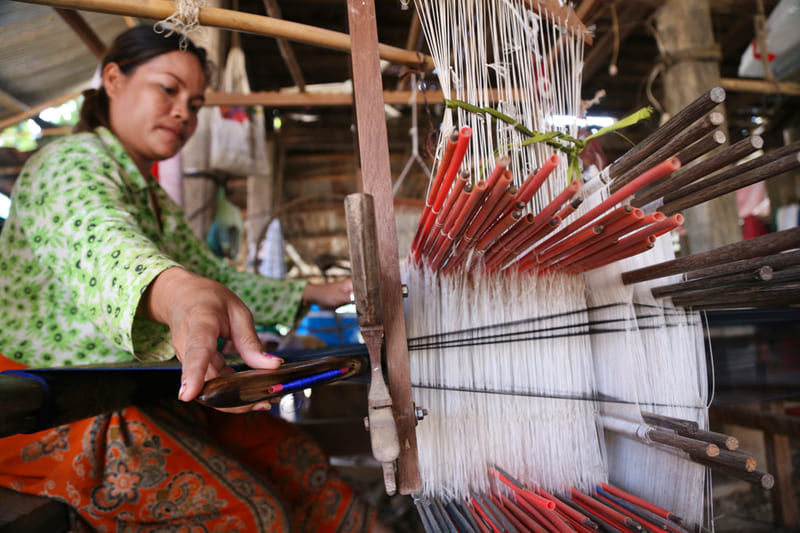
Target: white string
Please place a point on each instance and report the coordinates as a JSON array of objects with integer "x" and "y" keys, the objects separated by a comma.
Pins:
[
  {"x": 185, "y": 20},
  {"x": 535, "y": 64}
]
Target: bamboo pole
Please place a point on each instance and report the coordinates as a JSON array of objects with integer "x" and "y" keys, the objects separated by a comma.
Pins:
[
  {"x": 738, "y": 85},
  {"x": 247, "y": 22},
  {"x": 85, "y": 32}
]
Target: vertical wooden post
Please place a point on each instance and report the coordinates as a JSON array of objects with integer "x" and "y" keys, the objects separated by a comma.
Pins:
[
  {"x": 779, "y": 464},
  {"x": 377, "y": 181},
  {"x": 692, "y": 67}
]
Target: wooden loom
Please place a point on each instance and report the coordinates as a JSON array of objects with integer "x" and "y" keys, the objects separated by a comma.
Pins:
[
  {"x": 377, "y": 183},
  {"x": 464, "y": 218}
]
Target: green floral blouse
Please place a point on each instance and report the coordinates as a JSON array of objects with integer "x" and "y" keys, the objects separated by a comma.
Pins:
[{"x": 80, "y": 246}]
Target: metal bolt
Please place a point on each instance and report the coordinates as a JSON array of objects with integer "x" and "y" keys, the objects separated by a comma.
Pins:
[
  {"x": 366, "y": 423},
  {"x": 420, "y": 412},
  {"x": 404, "y": 288}
]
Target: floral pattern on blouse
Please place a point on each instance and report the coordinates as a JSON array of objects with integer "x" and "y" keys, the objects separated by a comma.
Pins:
[{"x": 79, "y": 248}]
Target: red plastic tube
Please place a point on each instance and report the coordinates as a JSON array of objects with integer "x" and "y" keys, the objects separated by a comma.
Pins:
[
  {"x": 567, "y": 245},
  {"x": 526, "y": 519},
  {"x": 658, "y": 511},
  {"x": 475, "y": 225},
  {"x": 458, "y": 187},
  {"x": 569, "y": 511},
  {"x": 450, "y": 147},
  {"x": 653, "y": 174},
  {"x": 532, "y": 239},
  {"x": 620, "y": 251},
  {"x": 497, "y": 230},
  {"x": 590, "y": 504},
  {"x": 535, "y": 179},
  {"x": 608, "y": 238},
  {"x": 456, "y": 159},
  {"x": 564, "y": 196}
]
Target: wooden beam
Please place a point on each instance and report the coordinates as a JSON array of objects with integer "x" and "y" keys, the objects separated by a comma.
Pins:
[
  {"x": 377, "y": 181},
  {"x": 245, "y": 22},
  {"x": 287, "y": 53},
  {"x": 741, "y": 85},
  {"x": 775, "y": 423},
  {"x": 33, "y": 111},
  {"x": 565, "y": 14},
  {"x": 79, "y": 25},
  {"x": 8, "y": 100},
  {"x": 779, "y": 464}
]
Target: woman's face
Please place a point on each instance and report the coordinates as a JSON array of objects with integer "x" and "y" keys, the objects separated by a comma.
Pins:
[{"x": 153, "y": 111}]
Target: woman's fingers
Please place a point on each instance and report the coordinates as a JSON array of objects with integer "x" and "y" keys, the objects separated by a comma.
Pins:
[
  {"x": 329, "y": 295},
  {"x": 200, "y": 359},
  {"x": 247, "y": 343}
]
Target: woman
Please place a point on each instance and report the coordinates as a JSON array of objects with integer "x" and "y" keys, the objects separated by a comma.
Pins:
[{"x": 98, "y": 265}]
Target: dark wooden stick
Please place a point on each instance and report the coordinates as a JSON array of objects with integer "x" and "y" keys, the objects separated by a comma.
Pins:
[
  {"x": 689, "y": 445},
  {"x": 762, "y": 479},
  {"x": 736, "y": 459},
  {"x": 685, "y": 176},
  {"x": 724, "y": 175},
  {"x": 713, "y": 140},
  {"x": 677, "y": 143},
  {"x": 690, "y": 428},
  {"x": 763, "y": 273},
  {"x": 685, "y": 200},
  {"x": 786, "y": 275},
  {"x": 689, "y": 114},
  {"x": 669, "y": 422},
  {"x": 775, "y": 261},
  {"x": 727, "y": 443},
  {"x": 758, "y": 246},
  {"x": 754, "y": 296}
]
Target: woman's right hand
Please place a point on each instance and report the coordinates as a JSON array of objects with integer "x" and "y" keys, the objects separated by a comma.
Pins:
[{"x": 199, "y": 311}]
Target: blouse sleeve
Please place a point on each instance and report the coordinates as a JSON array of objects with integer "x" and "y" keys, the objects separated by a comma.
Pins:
[{"x": 96, "y": 234}]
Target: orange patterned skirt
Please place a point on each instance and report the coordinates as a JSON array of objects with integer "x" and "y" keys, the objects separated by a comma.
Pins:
[{"x": 184, "y": 468}]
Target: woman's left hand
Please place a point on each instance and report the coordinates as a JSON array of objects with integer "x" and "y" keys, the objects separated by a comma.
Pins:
[{"x": 328, "y": 296}]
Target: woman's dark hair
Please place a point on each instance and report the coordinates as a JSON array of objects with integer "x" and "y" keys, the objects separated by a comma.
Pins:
[{"x": 130, "y": 49}]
